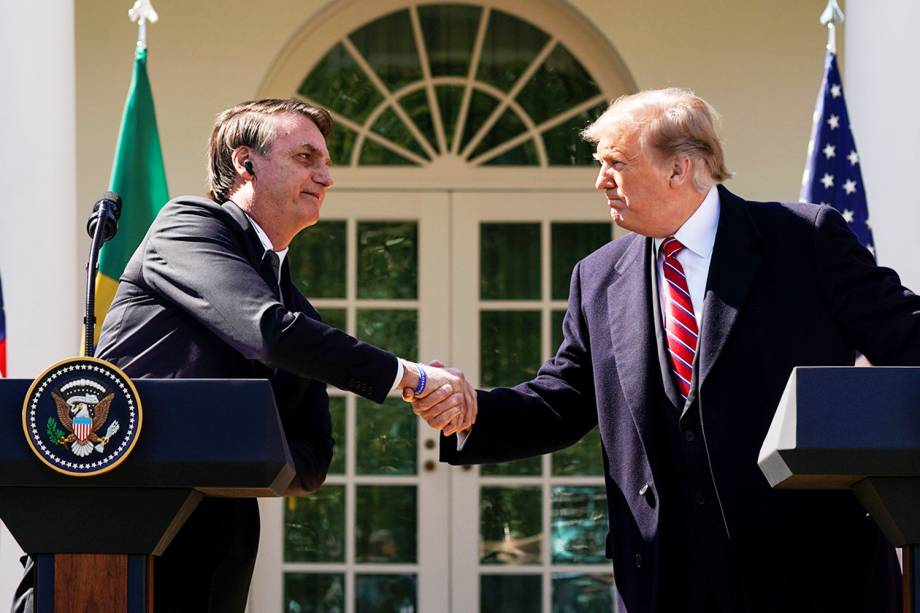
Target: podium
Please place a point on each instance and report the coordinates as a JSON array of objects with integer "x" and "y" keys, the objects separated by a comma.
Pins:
[
  {"x": 857, "y": 429},
  {"x": 94, "y": 538}
]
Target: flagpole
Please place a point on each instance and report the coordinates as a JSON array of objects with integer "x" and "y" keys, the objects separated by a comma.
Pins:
[
  {"x": 831, "y": 16},
  {"x": 142, "y": 12}
]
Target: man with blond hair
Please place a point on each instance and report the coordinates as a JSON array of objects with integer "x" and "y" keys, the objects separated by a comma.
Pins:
[{"x": 678, "y": 342}]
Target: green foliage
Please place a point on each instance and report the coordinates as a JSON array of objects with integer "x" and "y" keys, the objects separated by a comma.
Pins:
[{"x": 55, "y": 434}]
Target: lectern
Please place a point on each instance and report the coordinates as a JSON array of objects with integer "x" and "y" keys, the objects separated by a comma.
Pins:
[
  {"x": 857, "y": 429},
  {"x": 94, "y": 537}
]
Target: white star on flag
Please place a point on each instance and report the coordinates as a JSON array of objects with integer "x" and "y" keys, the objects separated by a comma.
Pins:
[
  {"x": 848, "y": 215},
  {"x": 834, "y": 122},
  {"x": 835, "y": 90},
  {"x": 828, "y": 180},
  {"x": 829, "y": 151},
  {"x": 853, "y": 157},
  {"x": 849, "y": 186}
]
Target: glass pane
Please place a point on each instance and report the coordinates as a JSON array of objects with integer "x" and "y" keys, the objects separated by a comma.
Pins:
[
  {"x": 314, "y": 593},
  {"x": 337, "y": 412},
  {"x": 524, "y": 154},
  {"x": 559, "y": 83},
  {"x": 338, "y": 83},
  {"x": 509, "y": 47},
  {"x": 583, "y": 459},
  {"x": 314, "y": 526},
  {"x": 577, "y": 593},
  {"x": 528, "y": 467},
  {"x": 510, "y": 593},
  {"x": 386, "y": 593},
  {"x": 386, "y": 438},
  {"x": 507, "y": 127},
  {"x": 556, "y": 318},
  {"x": 373, "y": 154},
  {"x": 396, "y": 330},
  {"x": 388, "y": 259},
  {"x": 388, "y": 45},
  {"x": 417, "y": 108},
  {"x": 564, "y": 144},
  {"x": 385, "y": 527},
  {"x": 570, "y": 243},
  {"x": 579, "y": 524},
  {"x": 449, "y": 31},
  {"x": 317, "y": 260},
  {"x": 481, "y": 106},
  {"x": 510, "y": 525},
  {"x": 340, "y": 143},
  {"x": 390, "y": 126},
  {"x": 449, "y": 99},
  {"x": 509, "y": 261},
  {"x": 335, "y": 318},
  {"x": 509, "y": 347}
]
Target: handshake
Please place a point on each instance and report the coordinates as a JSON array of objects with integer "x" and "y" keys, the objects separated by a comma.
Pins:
[{"x": 441, "y": 396}]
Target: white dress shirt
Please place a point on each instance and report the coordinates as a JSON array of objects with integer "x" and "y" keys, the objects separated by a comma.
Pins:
[{"x": 267, "y": 244}]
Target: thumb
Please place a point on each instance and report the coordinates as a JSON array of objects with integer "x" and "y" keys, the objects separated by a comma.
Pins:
[
  {"x": 436, "y": 363},
  {"x": 408, "y": 394}
]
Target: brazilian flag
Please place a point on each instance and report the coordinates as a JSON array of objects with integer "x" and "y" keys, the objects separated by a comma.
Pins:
[{"x": 139, "y": 177}]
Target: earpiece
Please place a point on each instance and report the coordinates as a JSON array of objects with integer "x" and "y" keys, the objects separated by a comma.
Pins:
[{"x": 248, "y": 166}]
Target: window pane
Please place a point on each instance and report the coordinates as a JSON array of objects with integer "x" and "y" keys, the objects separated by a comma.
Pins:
[
  {"x": 510, "y": 525},
  {"x": 317, "y": 260},
  {"x": 509, "y": 347},
  {"x": 395, "y": 330},
  {"x": 510, "y": 594},
  {"x": 449, "y": 99},
  {"x": 339, "y": 84},
  {"x": 373, "y": 154},
  {"x": 559, "y": 83},
  {"x": 386, "y": 593},
  {"x": 388, "y": 45},
  {"x": 385, "y": 527},
  {"x": 391, "y": 127},
  {"x": 386, "y": 438},
  {"x": 481, "y": 106},
  {"x": 314, "y": 526},
  {"x": 579, "y": 524},
  {"x": 509, "y": 47},
  {"x": 388, "y": 259},
  {"x": 583, "y": 459},
  {"x": 528, "y": 467},
  {"x": 314, "y": 593},
  {"x": 556, "y": 319},
  {"x": 416, "y": 106},
  {"x": 564, "y": 145},
  {"x": 340, "y": 143},
  {"x": 570, "y": 243},
  {"x": 509, "y": 261},
  {"x": 335, "y": 318},
  {"x": 450, "y": 31},
  {"x": 507, "y": 127},
  {"x": 578, "y": 593},
  {"x": 524, "y": 154},
  {"x": 337, "y": 412}
]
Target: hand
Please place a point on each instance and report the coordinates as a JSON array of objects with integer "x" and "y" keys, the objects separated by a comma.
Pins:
[{"x": 448, "y": 402}]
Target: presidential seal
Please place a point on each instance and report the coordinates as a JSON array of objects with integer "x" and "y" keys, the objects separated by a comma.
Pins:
[{"x": 82, "y": 417}]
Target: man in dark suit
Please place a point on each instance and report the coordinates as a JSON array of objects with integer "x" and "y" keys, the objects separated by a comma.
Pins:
[
  {"x": 208, "y": 294},
  {"x": 678, "y": 342}
]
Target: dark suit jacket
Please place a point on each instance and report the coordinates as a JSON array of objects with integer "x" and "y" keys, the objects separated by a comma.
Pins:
[
  {"x": 199, "y": 299},
  {"x": 788, "y": 286}
]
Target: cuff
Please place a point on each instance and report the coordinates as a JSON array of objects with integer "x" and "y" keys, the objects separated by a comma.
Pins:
[{"x": 399, "y": 375}]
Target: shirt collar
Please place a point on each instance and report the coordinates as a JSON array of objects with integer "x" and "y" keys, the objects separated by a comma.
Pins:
[
  {"x": 698, "y": 234},
  {"x": 266, "y": 243}
]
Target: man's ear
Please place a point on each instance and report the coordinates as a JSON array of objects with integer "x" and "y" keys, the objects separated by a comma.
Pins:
[
  {"x": 681, "y": 170},
  {"x": 240, "y": 156}
]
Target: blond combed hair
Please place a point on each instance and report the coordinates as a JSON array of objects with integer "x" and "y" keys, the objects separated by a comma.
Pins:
[
  {"x": 673, "y": 121},
  {"x": 250, "y": 124}
]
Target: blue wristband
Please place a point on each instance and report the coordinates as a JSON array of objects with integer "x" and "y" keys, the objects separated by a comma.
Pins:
[{"x": 422, "y": 380}]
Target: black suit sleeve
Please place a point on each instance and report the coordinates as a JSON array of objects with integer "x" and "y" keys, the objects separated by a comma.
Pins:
[
  {"x": 549, "y": 412},
  {"x": 873, "y": 311},
  {"x": 195, "y": 260}
]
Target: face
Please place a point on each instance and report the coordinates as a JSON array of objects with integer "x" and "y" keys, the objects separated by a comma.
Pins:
[
  {"x": 292, "y": 180},
  {"x": 638, "y": 185}
]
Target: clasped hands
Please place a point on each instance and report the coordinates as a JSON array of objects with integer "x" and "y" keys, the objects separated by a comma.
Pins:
[{"x": 447, "y": 402}]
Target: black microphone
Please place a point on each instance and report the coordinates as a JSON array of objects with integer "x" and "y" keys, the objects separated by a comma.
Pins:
[{"x": 107, "y": 210}]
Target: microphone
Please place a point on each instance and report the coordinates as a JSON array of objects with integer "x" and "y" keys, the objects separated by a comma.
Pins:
[{"x": 107, "y": 210}]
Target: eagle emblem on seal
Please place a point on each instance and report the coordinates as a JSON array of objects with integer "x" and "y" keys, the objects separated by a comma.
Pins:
[{"x": 83, "y": 409}]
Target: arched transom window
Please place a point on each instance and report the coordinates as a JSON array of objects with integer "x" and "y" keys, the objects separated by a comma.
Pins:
[{"x": 435, "y": 83}]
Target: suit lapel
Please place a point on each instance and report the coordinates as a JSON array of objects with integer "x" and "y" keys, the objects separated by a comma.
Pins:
[{"x": 735, "y": 260}]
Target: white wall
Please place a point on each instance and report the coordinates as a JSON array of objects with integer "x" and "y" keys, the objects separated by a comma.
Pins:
[
  {"x": 883, "y": 94},
  {"x": 37, "y": 216}
]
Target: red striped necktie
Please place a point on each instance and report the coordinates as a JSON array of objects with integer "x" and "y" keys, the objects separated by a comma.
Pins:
[{"x": 680, "y": 322}]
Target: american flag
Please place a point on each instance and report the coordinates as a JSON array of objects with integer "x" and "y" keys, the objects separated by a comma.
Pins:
[{"x": 832, "y": 175}]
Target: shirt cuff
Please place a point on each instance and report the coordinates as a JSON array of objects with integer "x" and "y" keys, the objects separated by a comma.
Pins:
[
  {"x": 461, "y": 438},
  {"x": 399, "y": 375}
]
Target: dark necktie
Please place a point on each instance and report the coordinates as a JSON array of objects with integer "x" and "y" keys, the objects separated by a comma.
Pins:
[{"x": 680, "y": 322}]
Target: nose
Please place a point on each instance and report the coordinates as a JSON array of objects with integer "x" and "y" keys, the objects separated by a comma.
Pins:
[
  {"x": 604, "y": 180},
  {"x": 323, "y": 176}
]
